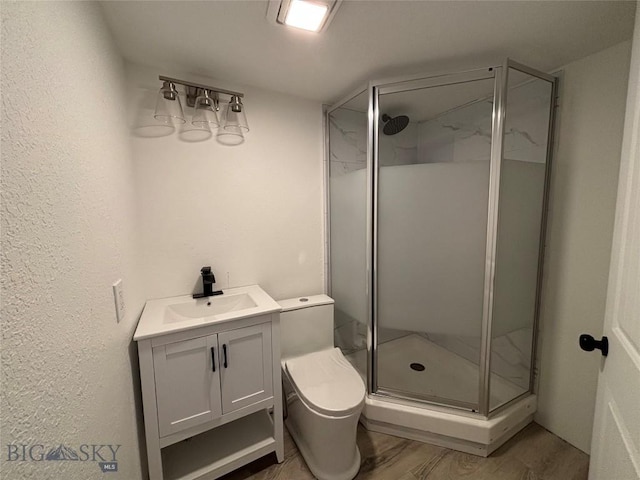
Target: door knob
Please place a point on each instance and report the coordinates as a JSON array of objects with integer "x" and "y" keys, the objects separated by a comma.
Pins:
[{"x": 588, "y": 344}]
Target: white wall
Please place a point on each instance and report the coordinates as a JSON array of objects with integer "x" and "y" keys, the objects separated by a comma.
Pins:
[
  {"x": 253, "y": 212},
  {"x": 68, "y": 229},
  {"x": 583, "y": 193}
]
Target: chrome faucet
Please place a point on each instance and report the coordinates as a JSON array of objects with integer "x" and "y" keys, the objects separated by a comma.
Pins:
[{"x": 208, "y": 279}]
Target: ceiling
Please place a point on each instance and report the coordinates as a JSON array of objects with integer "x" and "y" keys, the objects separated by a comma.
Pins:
[{"x": 232, "y": 40}]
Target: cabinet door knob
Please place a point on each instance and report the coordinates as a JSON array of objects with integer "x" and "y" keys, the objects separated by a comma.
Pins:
[
  {"x": 224, "y": 353},
  {"x": 588, "y": 344},
  {"x": 213, "y": 358}
]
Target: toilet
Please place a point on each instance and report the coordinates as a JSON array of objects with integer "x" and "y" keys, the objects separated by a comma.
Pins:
[{"x": 324, "y": 394}]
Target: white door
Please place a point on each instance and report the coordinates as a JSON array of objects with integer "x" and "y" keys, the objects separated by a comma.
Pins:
[
  {"x": 187, "y": 383},
  {"x": 615, "y": 453},
  {"x": 245, "y": 366}
]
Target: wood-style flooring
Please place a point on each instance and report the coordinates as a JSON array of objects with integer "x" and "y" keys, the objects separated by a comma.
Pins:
[{"x": 533, "y": 454}]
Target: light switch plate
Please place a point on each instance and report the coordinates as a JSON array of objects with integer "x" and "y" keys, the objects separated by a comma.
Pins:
[{"x": 118, "y": 296}]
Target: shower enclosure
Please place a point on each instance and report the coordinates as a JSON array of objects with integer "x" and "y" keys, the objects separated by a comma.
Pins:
[{"x": 437, "y": 191}]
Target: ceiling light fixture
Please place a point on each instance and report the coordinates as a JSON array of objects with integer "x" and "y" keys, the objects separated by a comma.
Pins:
[
  {"x": 306, "y": 15},
  {"x": 310, "y": 15}
]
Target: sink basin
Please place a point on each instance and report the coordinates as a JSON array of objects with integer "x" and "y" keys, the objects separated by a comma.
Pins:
[
  {"x": 176, "y": 314},
  {"x": 206, "y": 307}
]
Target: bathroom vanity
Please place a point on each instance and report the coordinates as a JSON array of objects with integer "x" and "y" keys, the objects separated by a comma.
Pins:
[{"x": 211, "y": 385}]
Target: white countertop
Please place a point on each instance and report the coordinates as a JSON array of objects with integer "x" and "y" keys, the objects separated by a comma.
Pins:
[{"x": 159, "y": 319}]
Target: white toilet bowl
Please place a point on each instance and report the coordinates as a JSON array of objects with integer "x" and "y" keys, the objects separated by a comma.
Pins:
[
  {"x": 325, "y": 396},
  {"x": 323, "y": 392}
]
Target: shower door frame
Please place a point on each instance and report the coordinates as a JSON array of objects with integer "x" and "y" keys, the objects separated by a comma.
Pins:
[
  {"x": 415, "y": 82},
  {"x": 554, "y": 81},
  {"x": 404, "y": 84}
]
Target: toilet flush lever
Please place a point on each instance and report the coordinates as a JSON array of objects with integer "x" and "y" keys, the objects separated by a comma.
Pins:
[{"x": 588, "y": 344}]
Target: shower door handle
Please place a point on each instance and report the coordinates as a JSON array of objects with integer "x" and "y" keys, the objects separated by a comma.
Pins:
[{"x": 588, "y": 344}]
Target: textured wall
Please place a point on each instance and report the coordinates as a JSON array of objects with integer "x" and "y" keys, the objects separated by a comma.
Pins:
[
  {"x": 582, "y": 203},
  {"x": 67, "y": 234},
  {"x": 252, "y": 211}
]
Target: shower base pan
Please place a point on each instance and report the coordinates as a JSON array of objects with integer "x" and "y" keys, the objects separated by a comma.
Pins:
[
  {"x": 457, "y": 431},
  {"x": 443, "y": 426}
]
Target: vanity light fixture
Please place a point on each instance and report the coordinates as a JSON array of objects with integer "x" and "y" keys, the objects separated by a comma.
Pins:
[
  {"x": 204, "y": 100},
  {"x": 310, "y": 15}
]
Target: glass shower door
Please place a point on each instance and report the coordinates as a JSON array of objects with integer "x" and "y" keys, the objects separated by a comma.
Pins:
[
  {"x": 348, "y": 201},
  {"x": 523, "y": 176},
  {"x": 432, "y": 177}
]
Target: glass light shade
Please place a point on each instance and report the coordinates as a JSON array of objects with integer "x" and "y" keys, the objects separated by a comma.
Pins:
[
  {"x": 204, "y": 111},
  {"x": 235, "y": 120},
  {"x": 230, "y": 136},
  {"x": 168, "y": 105},
  {"x": 155, "y": 129},
  {"x": 195, "y": 132}
]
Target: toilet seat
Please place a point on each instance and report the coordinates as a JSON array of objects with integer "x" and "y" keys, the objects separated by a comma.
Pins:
[{"x": 326, "y": 382}]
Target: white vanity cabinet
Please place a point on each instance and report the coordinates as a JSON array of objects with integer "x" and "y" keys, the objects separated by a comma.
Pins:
[
  {"x": 201, "y": 379},
  {"x": 211, "y": 389}
]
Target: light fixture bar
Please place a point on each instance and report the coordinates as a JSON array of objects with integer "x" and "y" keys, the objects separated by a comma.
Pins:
[{"x": 202, "y": 86}]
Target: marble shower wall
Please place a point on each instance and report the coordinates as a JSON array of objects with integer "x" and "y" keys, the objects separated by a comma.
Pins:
[
  {"x": 463, "y": 134},
  {"x": 401, "y": 148},
  {"x": 526, "y": 124},
  {"x": 459, "y": 135},
  {"x": 347, "y": 141}
]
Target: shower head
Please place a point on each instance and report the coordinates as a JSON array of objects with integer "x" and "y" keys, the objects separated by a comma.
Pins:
[{"x": 394, "y": 125}]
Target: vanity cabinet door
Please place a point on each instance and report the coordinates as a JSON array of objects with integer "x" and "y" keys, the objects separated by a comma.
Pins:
[
  {"x": 246, "y": 366},
  {"x": 187, "y": 375}
]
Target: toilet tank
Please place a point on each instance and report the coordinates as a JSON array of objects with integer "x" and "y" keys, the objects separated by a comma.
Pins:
[{"x": 306, "y": 325}]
